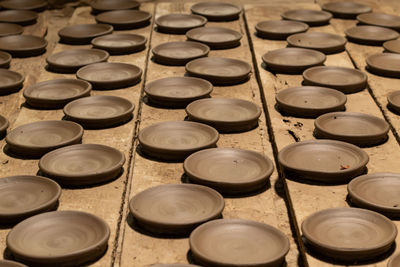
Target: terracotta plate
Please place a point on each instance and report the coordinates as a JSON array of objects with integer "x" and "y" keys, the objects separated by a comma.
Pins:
[
  {"x": 5, "y": 59},
  {"x": 352, "y": 127},
  {"x": 380, "y": 19},
  {"x": 23, "y": 45},
  {"x": 36, "y": 5},
  {"x": 37, "y": 138},
  {"x": 292, "y": 60},
  {"x": 179, "y": 23},
  {"x": 108, "y": 75},
  {"x": 36, "y": 241},
  {"x": 116, "y": 44},
  {"x": 225, "y": 114},
  {"x": 109, "y": 5},
  {"x": 7, "y": 263},
  {"x": 236, "y": 242},
  {"x": 370, "y": 35},
  {"x": 10, "y": 81},
  {"x": 24, "y": 196},
  {"x": 279, "y": 29},
  {"x": 177, "y": 91},
  {"x": 394, "y": 261},
  {"x": 176, "y": 140},
  {"x": 21, "y": 17},
  {"x": 392, "y": 46},
  {"x": 311, "y": 17},
  {"x": 125, "y": 19},
  {"x": 328, "y": 161},
  {"x": 100, "y": 111},
  {"x": 349, "y": 233},
  {"x": 3, "y": 126},
  {"x": 346, "y": 10},
  {"x": 179, "y": 53},
  {"x": 7, "y": 29},
  {"x": 346, "y": 80},
  {"x": 310, "y": 101},
  {"x": 324, "y": 42},
  {"x": 384, "y": 64},
  {"x": 215, "y": 37},
  {"x": 83, "y": 33},
  {"x": 82, "y": 164},
  {"x": 217, "y": 11},
  {"x": 219, "y": 70},
  {"x": 176, "y": 208},
  {"x": 229, "y": 170},
  {"x": 394, "y": 101},
  {"x": 56, "y": 93},
  {"x": 72, "y": 59}
]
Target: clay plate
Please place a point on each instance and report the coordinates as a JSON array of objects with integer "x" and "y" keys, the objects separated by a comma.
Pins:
[
  {"x": 217, "y": 11},
  {"x": 175, "y": 208},
  {"x": 100, "y": 111},
  {"x": 5, "y": 59},
  {"x": 311, "y": 17},
  {"x": 370, "y": 35},
  {"x": 108, "y": 75},
  {"x": 56, "y": 93},
  {"x": 279, "y": 29},
  {"x": 179, "y": 53},
  {"x": 24, "y": 196},
  {"x": 177, "y": 91},
  {"x": 176, "y": 140},
  {"x": 36, "y": 241},
  {"x": 236, "y": 242},
  {"x": 219, "y": 70},
  {"x": 349, "y": 233},
  {"x": 10, "y": 81},
  {"x": 179, "y": 23},
  {"x": 71, "y": 60},
  {"x": 215, "y": 37},
  {"x": 83, "y": 33},
  {"x": 324, "y": 42},
  {"x": 327, "y": 161},
  {"x": 109, "y": 5},
  {"x": 7, "y": 263},
  {"x": 125, "y": 19},
  {"x": 225, "y": 114},
  {"x": 394, "y": 261},
  {"x": 21, "y": 17},
  {"x": 394, "y": 101},
  {"x": 37, "y": 138},
  {"x": 23, "y": 45},
  {"x": 82, "y": 164},
  {"x": 229, "y": 170},
  {"x": 384, "y": 64},
  {"x": 3, "y": 126},
  {"x": 35, "y": 5},
  {"x": 380, "y": 19},
  {"x": 346, "y": 10},
  {"x": 117, "y": 44},
  {"x": 392, "y": 46},
  {"x": 292, "y": 60},
  {"x": 7, "y": 29},
  {"x": 310, "y": 101},
  {"x": 346, "y": 80}
]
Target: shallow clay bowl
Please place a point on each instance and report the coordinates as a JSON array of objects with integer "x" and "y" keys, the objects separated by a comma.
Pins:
[
  {"x": 176, "y": 140},
  {"x": 108, "y": 75},
  {"x": 82, "y": 164},
  {"x": 36, "y": 241},
  {"x": 56, "y": 93},
  {"x": 83, "y": 33},
  {"x": 109, "y": 5},
  {"x": 392, "y": 46},
  {"x": 217, "y": 11},
  {"x": 222, "y": 242},
  {"x": 346, "y": 80},
  {"x": 384, "y": 64},
  {"x": 5, "y": 59},
  {"x": 10, "y": 81},
  {"x": 23, "y": 45},
  {"x": 219, "y": 70},
  {"x": 229, "y": 170},
  {"x": 310, "y": 101},
  {"x": 117, "y": 44},
  {"x": 24, "y": 196},
  {"x": 394, "y": 261},
  {"x": 225, "y": 114},
  {"x": 37, "y": 138},
  {"x": 215, "y": 37},
  {"x": 370, "y": 35},
  {"x": 7, "y": 29},
  {"x": 179, "y": 53},
  {"x": 346, "y": 10},
  {"x": 71, "y": 60},
  {"x": 311, "y": 17},
  {"x": 394, "y": 101},
  {"x": 292, "y": 60},
  {"x": 326, "y": 161},
  {"x": 327, "y": 43},
  {"x": 35, "y": 5},
  {"x": 349, "y": 233},
  {"x": 177, "y": 91},
  {"x": 380, "y": 19},
  {"x": 21, "y": 17},
  {"x": 279, "y": 29},
  {"x": 7, "y": 263},
  {"x": 176, "y": 208},
  {"x": 125, "y": 19},
  {"x": 3, "y": 126},
  {"x": 179, "y": 23},
  {"x": 100, "y": 111}
]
